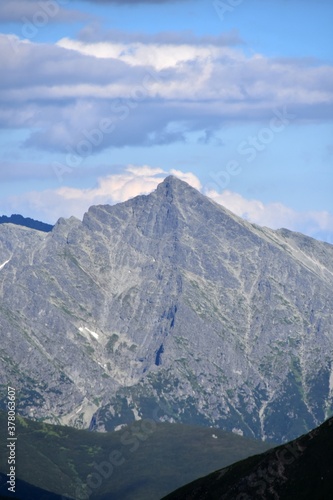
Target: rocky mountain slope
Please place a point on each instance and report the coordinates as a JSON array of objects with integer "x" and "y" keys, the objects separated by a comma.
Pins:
[
  {"x": 168, "y": 303},
  {"x": 301, "y": 469}
]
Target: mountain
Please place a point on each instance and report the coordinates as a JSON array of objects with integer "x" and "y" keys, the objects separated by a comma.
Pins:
[
  {"x": 168, "y": 305},
  {"x": 301, "y": 469},
  {"x": 26, "y": 222},
  {"x": 142, "y": 461}
]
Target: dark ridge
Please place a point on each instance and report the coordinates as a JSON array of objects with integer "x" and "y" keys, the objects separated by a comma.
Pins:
[
  {"x": 26, "y": 491},
  {"x": 19, "y": 220},
  {"x": 301, "y": 469}
]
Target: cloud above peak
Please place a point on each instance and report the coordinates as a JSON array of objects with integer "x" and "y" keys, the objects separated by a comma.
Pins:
[
  {"x": 134, "y": 180},
  {"x": 66, "y": 201},
  {"x": 152, "y": 90},
  {"x": 276, "y": 215}
]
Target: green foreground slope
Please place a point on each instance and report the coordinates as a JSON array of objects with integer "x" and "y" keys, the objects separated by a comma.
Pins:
[{"x": 143, "y": 461}]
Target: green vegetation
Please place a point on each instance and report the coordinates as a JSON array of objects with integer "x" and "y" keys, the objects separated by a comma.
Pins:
[
  {"x": 111, "y": 342},
  {"x": 150, "y": 459}
]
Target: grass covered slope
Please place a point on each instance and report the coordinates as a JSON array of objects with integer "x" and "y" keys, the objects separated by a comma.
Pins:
[
  {"x": 144, "y": 461},
  {"x": 301, "y": 469}
]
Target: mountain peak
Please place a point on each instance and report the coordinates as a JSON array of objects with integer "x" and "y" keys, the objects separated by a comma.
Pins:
[
  {"x": 173, "y": 188},
  {"x": 172, "y": 183},
  {"x": 172, "y": 178},
  {"x": 169, "y": 299}
]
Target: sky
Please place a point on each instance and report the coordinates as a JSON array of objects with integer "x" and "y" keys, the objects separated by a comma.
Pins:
[{"x": 102, "y": 99}]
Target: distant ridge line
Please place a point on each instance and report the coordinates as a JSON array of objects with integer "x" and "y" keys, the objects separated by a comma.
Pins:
[{"x": 19, "y": 220}]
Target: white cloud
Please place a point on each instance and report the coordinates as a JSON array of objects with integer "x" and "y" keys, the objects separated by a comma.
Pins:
[
  {"x": 214, "y": 71},
  {"x": 113, "y": 188},
  {"x": 151, "y": 85},
  {"x": 135, "y": 180},
  {"x": 160, "y": 56},
  {"x": 66, "y": 201},
  {"x": 274, "y": 215},
  {"x": 188, "y": 177}
]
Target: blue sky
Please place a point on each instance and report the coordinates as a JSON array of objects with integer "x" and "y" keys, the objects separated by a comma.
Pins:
[{"x": 100, "y": 100}]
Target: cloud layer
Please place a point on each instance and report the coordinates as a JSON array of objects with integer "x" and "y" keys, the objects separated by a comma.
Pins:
[
  {"x": 66, "y": 201},
  {"x": 38, "y": 12},
  {"x": 154, "y": 90},
  {"x": 276, "y": 215}
]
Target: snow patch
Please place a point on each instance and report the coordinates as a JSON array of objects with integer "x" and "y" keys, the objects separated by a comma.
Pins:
[
  {"x": 237, "y": 431},
  {"x": 94, "y": 334},
  {"x": 262, "y": 417},
  {"x": 136, "y": 414},
  {"x": 331, "y": 379},
  {"x": 3, "y": 265},
  {"x": 119, "y": 427},
  {"x": 84, "y": 328}
]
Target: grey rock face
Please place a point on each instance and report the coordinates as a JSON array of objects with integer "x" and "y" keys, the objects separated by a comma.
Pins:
[{"x": 168, "y": 301}]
